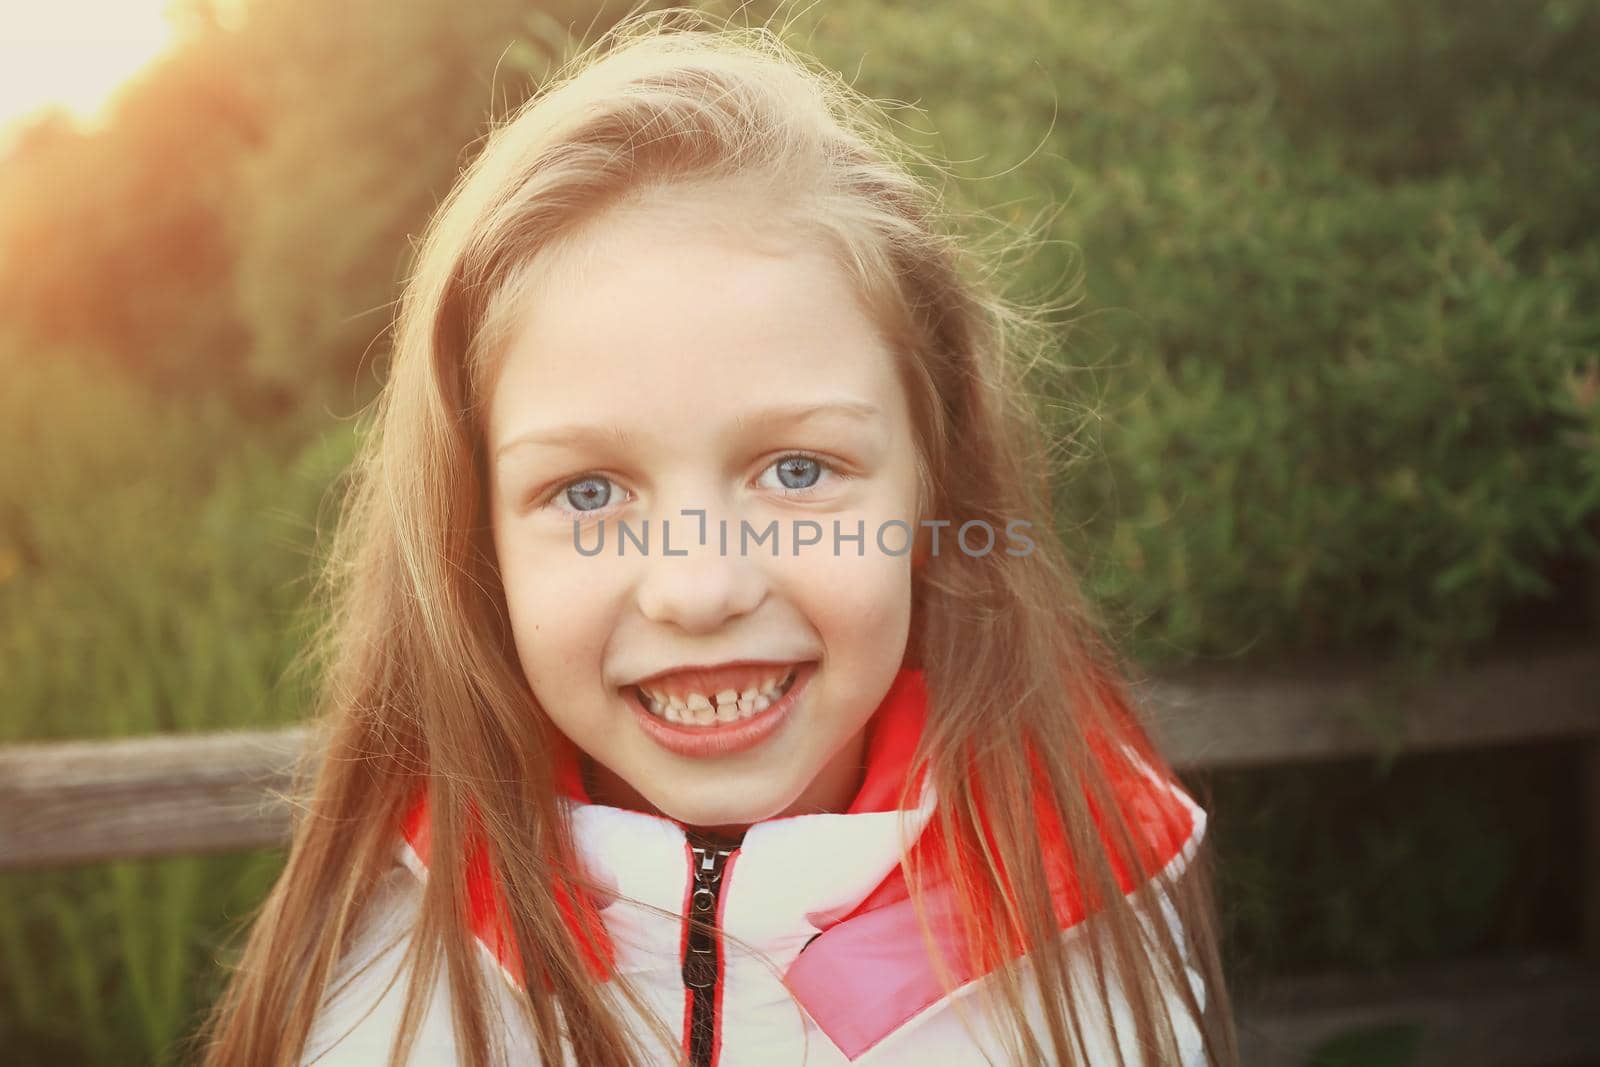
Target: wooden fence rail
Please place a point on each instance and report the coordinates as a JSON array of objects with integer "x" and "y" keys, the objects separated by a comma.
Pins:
[{"x": 180, "y": 794}]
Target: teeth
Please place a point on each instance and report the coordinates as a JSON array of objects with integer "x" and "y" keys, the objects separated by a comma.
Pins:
[{"x": 730, "y": 705}]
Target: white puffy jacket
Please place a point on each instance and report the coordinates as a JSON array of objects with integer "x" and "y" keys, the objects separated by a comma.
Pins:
[{"x": 838, "y": 973}]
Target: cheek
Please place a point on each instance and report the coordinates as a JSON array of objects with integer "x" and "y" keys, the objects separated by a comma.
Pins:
[
  {"x": 541, "y": 566},
  {"x": 865, "y": 599},
  {"x": 557, "y": 617}
]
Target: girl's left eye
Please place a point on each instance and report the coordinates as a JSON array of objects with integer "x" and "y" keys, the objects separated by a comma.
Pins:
[{"x": 797, "y": 472}]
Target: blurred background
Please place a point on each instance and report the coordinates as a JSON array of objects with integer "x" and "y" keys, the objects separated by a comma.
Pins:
[{"x": 1331, "y": 378}]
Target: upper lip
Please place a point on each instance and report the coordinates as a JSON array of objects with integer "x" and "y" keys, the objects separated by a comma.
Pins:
[{"x": 714, "y": 668}]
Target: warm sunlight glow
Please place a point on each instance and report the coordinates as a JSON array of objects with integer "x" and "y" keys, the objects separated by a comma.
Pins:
[{"x": 75, "y": 53}]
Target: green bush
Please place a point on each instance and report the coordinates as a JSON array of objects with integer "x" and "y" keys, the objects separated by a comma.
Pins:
[
  {"x": 1336, "y": 275},
  {"x": 1335, "y": 272}
]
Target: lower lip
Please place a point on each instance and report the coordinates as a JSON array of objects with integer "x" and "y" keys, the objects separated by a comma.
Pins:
[{"x": 723, "y": 739}]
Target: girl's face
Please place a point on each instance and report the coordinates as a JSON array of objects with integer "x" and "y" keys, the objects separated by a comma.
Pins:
[{"x": 666, "y": 370}]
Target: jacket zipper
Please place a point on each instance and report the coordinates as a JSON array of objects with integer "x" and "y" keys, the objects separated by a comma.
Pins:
[{"x": 702, "y": 952}]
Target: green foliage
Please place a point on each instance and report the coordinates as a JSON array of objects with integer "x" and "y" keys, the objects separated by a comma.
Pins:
[
  {"x": 1336, "y": 271},
  {"x": 153, "y": 560},
  {"x": 369, "y": 117},
  {"x": 115, "y": 964}
]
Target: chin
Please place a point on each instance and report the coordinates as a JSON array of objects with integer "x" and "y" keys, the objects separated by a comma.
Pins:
[
  {"x": 722, "y": 818},
  {"x": 715, "y": 815}
]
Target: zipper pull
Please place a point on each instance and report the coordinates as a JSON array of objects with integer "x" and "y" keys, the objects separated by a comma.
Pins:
[{"x": 700, "y": 962}]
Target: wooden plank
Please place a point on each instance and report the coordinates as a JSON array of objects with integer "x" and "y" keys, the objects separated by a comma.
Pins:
[
  {"x": 1529, "y": 1011},
  {"x": 165, "y": 795},
  {"x": 189, "y": 793},
  {"x": 1590, "y": 852},
  {"x": 1222, "y": 718}
]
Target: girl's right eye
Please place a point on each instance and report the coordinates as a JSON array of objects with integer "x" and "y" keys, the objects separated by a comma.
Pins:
[{"x": 588, "y": 494}]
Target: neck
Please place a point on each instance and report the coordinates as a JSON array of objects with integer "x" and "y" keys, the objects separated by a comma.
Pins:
[{"x": 831, "y": 791}]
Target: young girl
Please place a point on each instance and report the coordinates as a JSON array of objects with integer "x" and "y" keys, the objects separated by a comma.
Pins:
[{"x": 706, "y": 683}]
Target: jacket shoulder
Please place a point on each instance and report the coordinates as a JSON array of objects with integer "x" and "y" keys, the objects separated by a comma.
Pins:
[
  {"x": 964, "y": 1019},
  {"x": 961, "y": 1019},
  {"x": 362, "y": 1006}
]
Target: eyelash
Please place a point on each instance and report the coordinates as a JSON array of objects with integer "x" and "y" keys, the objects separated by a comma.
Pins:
[{"x": 548, "y": 499}]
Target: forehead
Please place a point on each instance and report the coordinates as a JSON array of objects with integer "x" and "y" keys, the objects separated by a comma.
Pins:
[{"x": 662, "y": 311}]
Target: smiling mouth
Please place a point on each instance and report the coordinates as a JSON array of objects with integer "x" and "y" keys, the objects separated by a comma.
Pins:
[{"x": 715, "y": 709}]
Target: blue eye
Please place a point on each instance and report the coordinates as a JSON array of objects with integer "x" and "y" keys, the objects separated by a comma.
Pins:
[
  {"x": 588, "y": 494},
  {"x": 798, "y": 471}
]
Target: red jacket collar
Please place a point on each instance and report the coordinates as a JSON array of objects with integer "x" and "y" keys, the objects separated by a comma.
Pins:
[
  {"x": 893, "y": 732},
  {"x": 853, "y": 962}
]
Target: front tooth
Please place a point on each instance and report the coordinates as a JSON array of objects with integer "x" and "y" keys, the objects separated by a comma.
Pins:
[
  {"x": 727, "y": 712},
  {"x": 727, "y": 696},
  {"x": 747, "y": 703},
  {"x": 698, "y": 702},
  {"x": 704, "y": 716}
]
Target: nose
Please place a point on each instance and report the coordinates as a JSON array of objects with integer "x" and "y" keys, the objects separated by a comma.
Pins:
[{"x": 702, "y": 589}]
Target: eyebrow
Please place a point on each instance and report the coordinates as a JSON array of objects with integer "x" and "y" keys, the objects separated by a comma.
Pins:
[
  {"x": 790, "y": 414},
  {"x": 579, "y": 435}
]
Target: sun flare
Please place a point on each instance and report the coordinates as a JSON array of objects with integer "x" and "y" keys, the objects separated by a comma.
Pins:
[{"x": 73, "y": 54}]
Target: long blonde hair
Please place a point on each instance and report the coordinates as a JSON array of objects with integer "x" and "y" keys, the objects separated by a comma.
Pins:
[{"x": 421, "y": 682}]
